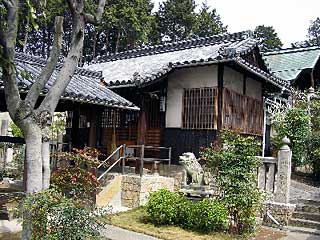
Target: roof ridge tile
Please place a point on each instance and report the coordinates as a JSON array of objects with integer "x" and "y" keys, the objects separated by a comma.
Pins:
[{"x": 175, "y": 46}]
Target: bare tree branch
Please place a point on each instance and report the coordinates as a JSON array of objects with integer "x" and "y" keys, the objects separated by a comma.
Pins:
[
  {"x": 8, "y": 4},
  {"x": 72, "y": 5},
  {"x": 9, "y": 43},
  {"x": 98, "y": 15},
  {"x": 50, "y": 66},
  {"x": 71, "y": 62}
]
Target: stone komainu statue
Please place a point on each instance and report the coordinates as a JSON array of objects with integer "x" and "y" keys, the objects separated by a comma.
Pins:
[{"x": 194, "y": 169}]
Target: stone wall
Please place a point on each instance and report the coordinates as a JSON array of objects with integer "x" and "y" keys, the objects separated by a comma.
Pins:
[
  {"x": 175, "y": 171},
  {"x": 135, "y": 190},
  {"x": 282, "y": 212}
]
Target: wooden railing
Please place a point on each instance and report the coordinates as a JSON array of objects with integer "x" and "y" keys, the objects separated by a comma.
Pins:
[{"x": 123, "y": 153}]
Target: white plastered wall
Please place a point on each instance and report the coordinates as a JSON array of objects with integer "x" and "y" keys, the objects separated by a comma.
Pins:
[
  {"x": 254, "y": 88},
  {"x": 197, "y": 77},
  {"x": 233, "y": 80}
]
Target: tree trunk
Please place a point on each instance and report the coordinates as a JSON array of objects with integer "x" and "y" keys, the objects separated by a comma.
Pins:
[
  {"x": 94, "y": 47},
  {"x": 45, "y": 151},
  {"x": 117, "y": 42},
  {"x": 33, "y": 168},
  {"x": 33, "y": 138}
]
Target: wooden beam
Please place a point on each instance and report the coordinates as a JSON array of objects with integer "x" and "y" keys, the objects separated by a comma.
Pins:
[
  {"x": 244, "y": 84},
  {"x": 8, "y": 139},
  {"x": 220, "y": 96}
]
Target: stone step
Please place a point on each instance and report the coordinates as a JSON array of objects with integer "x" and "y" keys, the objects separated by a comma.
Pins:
[
  {"x": 307, "y": 215},
  {"x": 303, "y": 230},
  {"x": 306, "y": 202},
  {"x": 298, "y": 222},
  {"x": 308, "y": 208}
]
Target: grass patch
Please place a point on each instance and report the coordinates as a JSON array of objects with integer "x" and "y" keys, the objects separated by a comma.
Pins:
[{"x": 135, "y": 220}]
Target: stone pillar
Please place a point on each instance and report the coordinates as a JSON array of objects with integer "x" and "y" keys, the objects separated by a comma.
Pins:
[
  {"x": 270, "y": 178},
  {"x": 282, "y": 194},
  {"x": 4, "y": 127},
  {"x": 280, "y": 209}
]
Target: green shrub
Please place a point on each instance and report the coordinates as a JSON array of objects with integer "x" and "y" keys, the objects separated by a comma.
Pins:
[
  {"x": 168, "y": 208},
  {"x": 207, "y": 216},
  {"x": 163, "y": 207},
  {"x": 294, "y": 124},
  {"x": 50, "y": 215},
  {"x": 235, "y": 162}
]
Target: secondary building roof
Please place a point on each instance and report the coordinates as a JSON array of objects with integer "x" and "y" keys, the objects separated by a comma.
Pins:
[
  {"x": 289, "y": 63},
  {"x": 149, "y": 63},
  {"x": 85, "y": 85}
]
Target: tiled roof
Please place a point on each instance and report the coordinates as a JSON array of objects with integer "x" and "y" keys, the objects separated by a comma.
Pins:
[
  {"x": 146, "y": 64},
  {"x": 85, "y": 85},
  {"x": 288, "y": 63}
]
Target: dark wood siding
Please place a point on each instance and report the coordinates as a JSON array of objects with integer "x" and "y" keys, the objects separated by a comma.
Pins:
[{"x": 182, "y": 140}]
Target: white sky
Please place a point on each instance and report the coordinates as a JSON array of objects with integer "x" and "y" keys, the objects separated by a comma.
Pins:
[{"x": 290, "y": 18}]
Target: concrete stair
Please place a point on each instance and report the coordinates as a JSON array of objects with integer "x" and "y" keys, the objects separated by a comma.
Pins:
[{"x": 109, "y": 191}]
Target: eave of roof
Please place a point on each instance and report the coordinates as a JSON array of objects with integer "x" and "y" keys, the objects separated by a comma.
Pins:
[
  {"x": 278, "y": 82},
  {"x": 289, "y": 63},
  {"x": 85, "y": 85}
]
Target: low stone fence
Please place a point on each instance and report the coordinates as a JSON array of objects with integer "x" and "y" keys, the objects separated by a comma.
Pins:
[{"x": 135, "y": 190}]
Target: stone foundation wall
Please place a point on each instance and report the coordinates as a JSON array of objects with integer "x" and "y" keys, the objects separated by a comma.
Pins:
[
  {"x": 136, "y": 190},
  {"x": 282, "y": 212},
  {"x": 175, "y": 171}
]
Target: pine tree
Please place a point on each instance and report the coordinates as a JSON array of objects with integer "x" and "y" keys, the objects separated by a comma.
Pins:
[
  {"x": 270, "y": 36},
  {"x": 208, "y": 22},
  {"x": 176, "y": 19},
  {"x": 314, "y": 32}
]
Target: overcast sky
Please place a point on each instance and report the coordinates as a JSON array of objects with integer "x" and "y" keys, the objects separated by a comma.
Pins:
[{"x": 290, "y": 18}]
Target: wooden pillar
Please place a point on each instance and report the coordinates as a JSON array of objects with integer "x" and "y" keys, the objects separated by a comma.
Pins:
[
  {"x": 142, "y": 123},
  {"x": 93, "y": 128},
  {"x": 75, "y": 126},
  {"x": 220, "y": 96}
]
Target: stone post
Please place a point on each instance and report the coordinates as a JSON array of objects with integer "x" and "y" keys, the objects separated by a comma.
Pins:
[
  {"x": 280, "y": 208},
  {"x": 282, "y": 194}
]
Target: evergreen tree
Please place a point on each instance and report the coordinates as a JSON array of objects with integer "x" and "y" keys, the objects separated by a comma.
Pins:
[
  {"x": 208, "y": 22},
  {"x": 176, "y": 19},
  {"x": 314, "y": 32},
  {"x": 272, "y": 40}
]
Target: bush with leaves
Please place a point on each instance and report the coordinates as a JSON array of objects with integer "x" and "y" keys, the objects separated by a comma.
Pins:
[
  {"x": 75, "y": 182},
  {"x": 163, "y": 207},
  {"x": 207, "y": 215},
  {"x": 294, "y": 124},
  {"x": 313, "y": 143},
  {"x": 77, "y": 178},
  {"x": 235, "y": 162},
  {"x": 54, "y": 216},
  {"x": 169, "y": 208}
]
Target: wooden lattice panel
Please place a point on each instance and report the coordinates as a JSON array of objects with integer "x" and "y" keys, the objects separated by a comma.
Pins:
[
  {"x": 199, "y": 108},
  {"x": 242, "y": 113}
]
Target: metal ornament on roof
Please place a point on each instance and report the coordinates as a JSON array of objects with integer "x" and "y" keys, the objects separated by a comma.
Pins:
[{"x": 276, "y": 105}]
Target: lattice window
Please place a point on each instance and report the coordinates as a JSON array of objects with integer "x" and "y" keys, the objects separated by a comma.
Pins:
[
  {"x": 118, "y": 118},
  {"x": 199, "y": 108}
]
